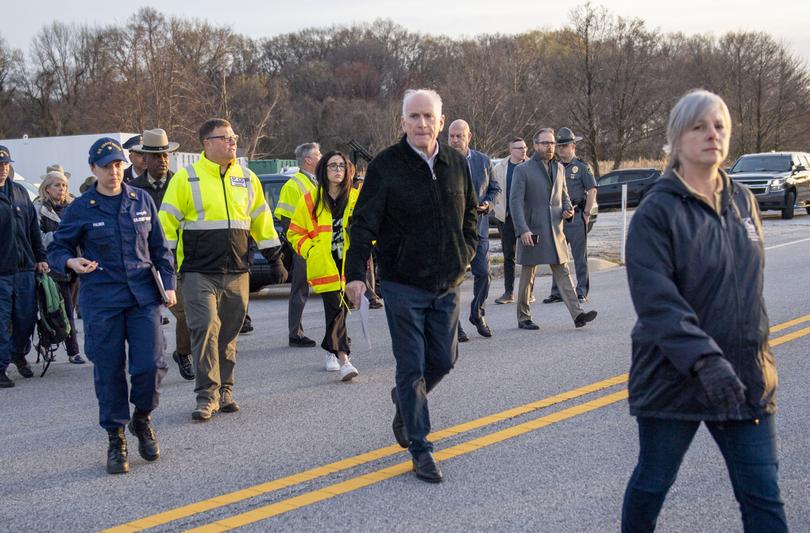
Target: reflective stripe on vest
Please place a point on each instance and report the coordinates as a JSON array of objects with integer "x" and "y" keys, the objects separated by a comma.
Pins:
[
  {"x": 246, "y": 174},
  {"x": 196, "y": 192}
]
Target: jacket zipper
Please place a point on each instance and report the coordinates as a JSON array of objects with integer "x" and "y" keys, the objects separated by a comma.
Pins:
[{"x": 228, "y": 216}]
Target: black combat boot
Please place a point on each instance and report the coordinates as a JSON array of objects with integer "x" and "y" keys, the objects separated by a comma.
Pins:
[
  {"x": 117, "y": 452},
  {"x": 147, "y": 440}
]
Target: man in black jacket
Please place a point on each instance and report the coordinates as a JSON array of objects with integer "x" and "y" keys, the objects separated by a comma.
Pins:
[
  {"x": 21, "y": 253},
  {"x": 419, "y": 205}
]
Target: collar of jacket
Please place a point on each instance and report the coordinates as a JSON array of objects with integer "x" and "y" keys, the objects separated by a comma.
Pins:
[
  {"x": 415, "y": 159},
  {"x": 669, "y": 183},
  {"x": 210, "y": 168},
  {"x": 7, "y": 186},
  {"x": 128, "y": 195}
]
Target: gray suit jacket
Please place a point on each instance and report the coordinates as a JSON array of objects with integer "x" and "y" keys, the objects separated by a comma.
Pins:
[{"x": 537, "y": 202}]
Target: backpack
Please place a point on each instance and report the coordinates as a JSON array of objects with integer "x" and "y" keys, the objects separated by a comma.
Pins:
[{"x": 53, "y": 326}]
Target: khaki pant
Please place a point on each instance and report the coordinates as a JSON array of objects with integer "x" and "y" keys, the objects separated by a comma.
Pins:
[
  {"x": 182, "y": 337},
  {"x": 563, "y": 279},
  {"x": 215, "y": 309}
]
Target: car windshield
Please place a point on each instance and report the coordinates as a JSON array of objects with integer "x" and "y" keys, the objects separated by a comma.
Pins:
[{"x": 762, "y": 163}]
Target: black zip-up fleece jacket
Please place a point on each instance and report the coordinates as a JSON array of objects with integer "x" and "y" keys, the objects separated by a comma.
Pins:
[
  {"x": 18, "y": 218},
  {"x": 696, "y": 280},
  {"x": 424, "y": 222}
]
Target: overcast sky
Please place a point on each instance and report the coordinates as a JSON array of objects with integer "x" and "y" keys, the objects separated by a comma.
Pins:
[{"x": 786, "y": 20}]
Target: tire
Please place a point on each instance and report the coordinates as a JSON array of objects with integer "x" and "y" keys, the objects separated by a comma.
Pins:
[
  {"x": 790, "y": 202},
  {"x": 807, "y": 209}
]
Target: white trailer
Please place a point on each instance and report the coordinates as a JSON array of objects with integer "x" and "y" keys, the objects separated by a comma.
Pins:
[{"x": 32, "y": 155}]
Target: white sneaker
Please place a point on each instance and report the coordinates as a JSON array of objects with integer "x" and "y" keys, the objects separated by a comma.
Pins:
[
  {"x": 332, "y": 364},
  {"x": 347, "y": 372}
]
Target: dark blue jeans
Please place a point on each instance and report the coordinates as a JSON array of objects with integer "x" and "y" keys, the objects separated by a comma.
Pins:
[
  {"x": 480, "y": 271},
  {"x": 18, "y": 316},
  {"x": 749, "y": 449},
  {"x": 423, "y": 337}
]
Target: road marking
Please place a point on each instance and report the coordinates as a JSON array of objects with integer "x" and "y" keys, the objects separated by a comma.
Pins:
[
  {"x": 364, "y": 458},
  {"x": 786, "y": 244},
  {"x": 350, "y": 485},
  {"x": 357, "y": 460}
]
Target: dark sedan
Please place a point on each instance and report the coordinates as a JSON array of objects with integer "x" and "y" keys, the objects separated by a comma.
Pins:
[{"x": 638, "y": 180}]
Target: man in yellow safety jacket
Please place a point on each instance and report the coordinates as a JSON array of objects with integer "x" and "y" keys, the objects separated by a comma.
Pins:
[
  {"x": 302, "y": 182},
  {"x": 210, "y": 211}
]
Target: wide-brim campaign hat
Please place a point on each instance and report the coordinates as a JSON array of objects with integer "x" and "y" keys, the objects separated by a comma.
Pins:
[
  {"x": 155, "y": 142},
  {"x": 566, "y": 136},
  {"x": 56, "y": 168}
]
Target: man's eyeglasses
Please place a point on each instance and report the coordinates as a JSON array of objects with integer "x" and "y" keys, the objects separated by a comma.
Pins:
[
  {"x": 229, "y": 139},
  {"x": 521, "y": 148},
  {"x": 546, "y": 143},
  {"x": 336, "y": 166}
]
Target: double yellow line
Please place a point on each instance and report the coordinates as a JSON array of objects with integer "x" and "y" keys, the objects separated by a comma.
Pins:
[{"x": 331, "y": 491}]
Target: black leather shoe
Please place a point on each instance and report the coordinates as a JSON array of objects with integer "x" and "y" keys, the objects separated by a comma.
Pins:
[
  {"x": 527, "y": 324},
  {"x": 5, "y": 381},
  {"x": 23, "y": 368},
  {"x": 164, "y": 320},
  {"x": 302, "y": 342},
  {"x": 117, "y": 462},
  {"x": 481, "y": 326},
  {"x": 584, "y": 318},
  {"x": 141, "y": 427},
  {"x": 247, "y": 328},
  {"x": 552, "y": 299},
  {"x": 183, "y": 361},
  {"x": 398, "y": 425},
  {"x": 426, "y": 468},
  {"x": 462, "y": 335}
]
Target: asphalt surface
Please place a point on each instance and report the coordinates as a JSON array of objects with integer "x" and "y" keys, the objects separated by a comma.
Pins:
[{"x": 568, "y": 475}]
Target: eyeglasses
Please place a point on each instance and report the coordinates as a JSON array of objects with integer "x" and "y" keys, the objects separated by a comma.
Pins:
[
  {"x": 521, "y": 148},
  {"x": 546, "y": 143},
  {"x": 229, "y": 139},
  {"x": 336, "y": 166}
]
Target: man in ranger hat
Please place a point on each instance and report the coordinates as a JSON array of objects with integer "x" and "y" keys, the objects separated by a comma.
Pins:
[
  {"x": 138, "y": 165},
  {"x": 582, "y": 191},
  {"x": 21, "y": 253},
  {"x": 155, "y": 148}
]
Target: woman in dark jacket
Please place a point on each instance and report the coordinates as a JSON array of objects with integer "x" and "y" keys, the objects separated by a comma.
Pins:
[
  {"x": 695, "y": 261},
  {"x": 51, "y": 204}
]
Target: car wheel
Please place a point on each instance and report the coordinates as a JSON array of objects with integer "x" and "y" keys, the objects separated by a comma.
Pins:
[
  {"x": 807, "y": 209},
  {"x": 790, "y": 202}
]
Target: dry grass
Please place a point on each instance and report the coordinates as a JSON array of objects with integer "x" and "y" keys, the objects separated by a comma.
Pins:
[{"x": 607, "y": 166}]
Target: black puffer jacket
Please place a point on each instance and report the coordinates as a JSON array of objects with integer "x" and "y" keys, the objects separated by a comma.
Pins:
[
  {"x": 424, "y": 224},
  {"x": 696, "y": 280},
  {"x": 18, "y": 218}
]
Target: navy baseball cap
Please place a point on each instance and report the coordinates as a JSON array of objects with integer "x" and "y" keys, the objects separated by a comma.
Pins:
[
  {"x": 135, "y": 140},
  {"x": 5, "y": 155},
  {"x": 106, "y": 150}
]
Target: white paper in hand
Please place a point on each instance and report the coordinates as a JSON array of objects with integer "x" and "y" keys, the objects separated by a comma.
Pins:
[{"x": 364, "y": 319}]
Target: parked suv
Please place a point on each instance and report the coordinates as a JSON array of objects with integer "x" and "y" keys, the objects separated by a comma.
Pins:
[
  {"x": 260, "y": 268},
  {"x": 779, "y": 180},
  {"x": 638, "y": 180}
]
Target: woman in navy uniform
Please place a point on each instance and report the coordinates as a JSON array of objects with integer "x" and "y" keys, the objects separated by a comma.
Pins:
[{"x": 116, "y": 228}]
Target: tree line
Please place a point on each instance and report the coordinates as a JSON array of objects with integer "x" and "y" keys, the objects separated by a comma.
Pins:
[{"x": 611, "y": 79}]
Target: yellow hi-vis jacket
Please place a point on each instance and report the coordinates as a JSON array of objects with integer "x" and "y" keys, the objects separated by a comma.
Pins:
[
  {"x": 311, "y": 238},
  {"x": 291, "y": 193},
  {"x": 209, "y": 218}
]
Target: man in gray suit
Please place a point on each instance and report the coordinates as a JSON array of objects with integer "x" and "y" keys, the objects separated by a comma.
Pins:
[{"x": 539, "y": 202}]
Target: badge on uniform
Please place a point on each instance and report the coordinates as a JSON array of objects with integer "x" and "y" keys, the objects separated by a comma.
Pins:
[
  {"x": 237, "y": 182},
  {"x": 751, "y": 229},
  {"x": 575, "y": 169}
]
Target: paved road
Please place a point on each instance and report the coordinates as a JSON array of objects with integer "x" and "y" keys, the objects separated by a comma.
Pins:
[{"x": 556, "y": 465}]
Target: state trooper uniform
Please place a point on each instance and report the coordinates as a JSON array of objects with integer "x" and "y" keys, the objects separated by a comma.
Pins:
[
  {"x": 579, "y": 180},
  {"x": 120, "y": 301}
]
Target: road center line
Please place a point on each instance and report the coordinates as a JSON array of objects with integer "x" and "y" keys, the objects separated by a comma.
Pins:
[
  {"x": 216, "y": 502},
  {"x": 350, "y": 485},
  {"x": 786, "y": 244}
]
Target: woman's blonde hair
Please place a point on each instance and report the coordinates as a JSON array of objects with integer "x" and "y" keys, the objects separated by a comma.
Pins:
[{"x": 49, "y": 180}]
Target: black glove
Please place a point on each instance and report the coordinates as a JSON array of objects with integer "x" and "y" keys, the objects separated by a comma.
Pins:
[
  {"x": 722, "y": 385},
  {"x": 278, "y": 274}
]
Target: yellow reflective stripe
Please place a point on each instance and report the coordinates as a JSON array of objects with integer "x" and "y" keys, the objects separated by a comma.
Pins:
[
  {"x": 261, "y": 208},
  {"x": 301, "y": 186},
  {"x": 248, "y": 184},
  {"x": 216, "y": 224},
  {"x": 173, "y": 211},
  {"x": 269, "y": 243},
  {"x": 196, "y": 192},
  {"x": 285, "y": 207}
]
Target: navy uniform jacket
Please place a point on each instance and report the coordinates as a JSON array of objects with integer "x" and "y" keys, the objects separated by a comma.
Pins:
[
  {"x": 123, "y": 243},
  {"x": 20, "y": 240},
  {"x": 579, "y": 180}
]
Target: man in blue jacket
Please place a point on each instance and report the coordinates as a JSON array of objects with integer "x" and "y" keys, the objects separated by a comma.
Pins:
[
  {"x": 487, "y": 191},
  {"x": 21, "y": 253}
]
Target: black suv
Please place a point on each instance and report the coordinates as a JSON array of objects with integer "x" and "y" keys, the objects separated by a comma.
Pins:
[
  {"x": 638, "y": 180},
  {"x": 779, "y": 180},
  {"x": 260, "y": 269}
]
